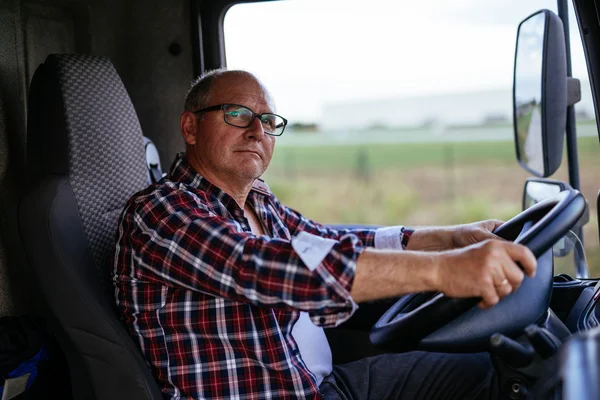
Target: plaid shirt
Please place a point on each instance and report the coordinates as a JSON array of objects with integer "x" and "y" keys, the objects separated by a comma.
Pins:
[{"x": 211, "y": 305}]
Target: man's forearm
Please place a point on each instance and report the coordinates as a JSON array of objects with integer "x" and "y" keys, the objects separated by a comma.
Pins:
[
  {"x": 389, "y": 273},
  {"x": 452, "y": 237},
  {"x": 431, "y": 239},
  {"x": 489, "y": 270}
]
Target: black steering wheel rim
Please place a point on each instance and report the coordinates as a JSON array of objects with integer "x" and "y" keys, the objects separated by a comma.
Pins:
[{"x": 408, "y": 326}]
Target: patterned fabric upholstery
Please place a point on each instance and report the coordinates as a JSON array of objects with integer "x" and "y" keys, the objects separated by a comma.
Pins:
[
  {"x": 85, "y": 155},
  {"x": 106, "y": 149}
]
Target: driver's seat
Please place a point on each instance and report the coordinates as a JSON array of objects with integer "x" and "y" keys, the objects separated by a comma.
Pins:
[{"x": 86, "y": 157}]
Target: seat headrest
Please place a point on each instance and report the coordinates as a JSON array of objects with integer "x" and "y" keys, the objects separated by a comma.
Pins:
[
  {"x": 78, "y": 103},
  {"x": 82, "y": 124}
]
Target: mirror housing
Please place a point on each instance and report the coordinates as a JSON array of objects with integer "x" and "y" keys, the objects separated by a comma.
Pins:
[{"x": 541, "y": 93}]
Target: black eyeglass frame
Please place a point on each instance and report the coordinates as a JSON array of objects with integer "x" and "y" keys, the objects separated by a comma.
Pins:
[{"x": 254, "y": 115}]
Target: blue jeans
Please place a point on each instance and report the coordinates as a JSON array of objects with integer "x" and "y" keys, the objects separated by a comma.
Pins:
[{"x": 415, "y": 375}]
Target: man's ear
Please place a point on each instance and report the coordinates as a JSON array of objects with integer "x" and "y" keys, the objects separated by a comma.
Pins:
[{"x": 187, "y": 124}]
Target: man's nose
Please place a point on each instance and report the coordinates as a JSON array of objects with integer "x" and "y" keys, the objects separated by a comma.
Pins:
[{"x": 255, "y": 130}]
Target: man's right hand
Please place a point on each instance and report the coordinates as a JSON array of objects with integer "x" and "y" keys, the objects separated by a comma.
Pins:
[
  {"x": 478, "y": 270},
  {"x": 487, "y": 269}
]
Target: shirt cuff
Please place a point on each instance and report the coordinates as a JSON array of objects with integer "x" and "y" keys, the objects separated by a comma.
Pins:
[
  {"x": 334, "y": 261},
  {"x": 392, "y": 237},
  {"x": 333, "y": 320}
]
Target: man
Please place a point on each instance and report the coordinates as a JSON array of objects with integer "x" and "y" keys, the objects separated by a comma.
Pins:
[{"x": 226, "y": 290}]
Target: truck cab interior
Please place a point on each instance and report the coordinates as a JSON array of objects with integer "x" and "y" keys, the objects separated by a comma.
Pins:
[{"x": 90, "y": 98}]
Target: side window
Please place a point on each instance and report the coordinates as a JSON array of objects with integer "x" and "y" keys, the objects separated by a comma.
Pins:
[
  {"x": 400, "y": 112},
  {"x": 588, "y": 151}
]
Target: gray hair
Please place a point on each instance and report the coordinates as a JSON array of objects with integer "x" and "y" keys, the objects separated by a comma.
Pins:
[{"x": 199, "y": 96}]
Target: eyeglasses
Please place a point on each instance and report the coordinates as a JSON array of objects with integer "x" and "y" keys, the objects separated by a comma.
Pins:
[{"x": 243, "y": 117}]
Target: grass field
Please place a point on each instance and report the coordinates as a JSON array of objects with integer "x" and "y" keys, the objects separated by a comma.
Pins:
[{"x": 419, "y": 183}]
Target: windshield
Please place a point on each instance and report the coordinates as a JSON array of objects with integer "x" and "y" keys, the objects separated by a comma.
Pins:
[{"x": 399, "y": 112}]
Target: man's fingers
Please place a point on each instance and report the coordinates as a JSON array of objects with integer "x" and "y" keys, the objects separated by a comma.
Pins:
[
  {"x": 486, "y": 229},
  {"x": 493, "y": 224},
  {"x": 481, "y": 234},
  {"x": 504, "y": 288},
  {"x": 492, "y": 295},
  {"x": 496, "y": 268},
  {"x": 514, "y": 275},
  {"x": 522, "y": 255},
  {"x": 489, "y": 297},
  {"x": 497, "y": 223}
]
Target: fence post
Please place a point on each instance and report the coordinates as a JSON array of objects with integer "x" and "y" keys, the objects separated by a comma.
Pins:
[
  {"x": 363, "y": 170},
  {"x": 289, "y": 164},
  {"x": 449, "y": 166}
]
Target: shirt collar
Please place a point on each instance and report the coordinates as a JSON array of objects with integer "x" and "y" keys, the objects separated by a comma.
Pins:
[{"x": 181, "y": 171}]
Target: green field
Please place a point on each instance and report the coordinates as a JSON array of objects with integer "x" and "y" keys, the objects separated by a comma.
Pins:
[
  {"x": 523, "y": 122},
  {"x": 418, "y": 183},
  {"x": 392, "y": 155},
  {"x": 407, "y": 155}
]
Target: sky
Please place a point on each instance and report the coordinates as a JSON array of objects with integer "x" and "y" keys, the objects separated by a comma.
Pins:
[
  {"x": 530, "y": 56},
  {"x": 311, "y": 53}
]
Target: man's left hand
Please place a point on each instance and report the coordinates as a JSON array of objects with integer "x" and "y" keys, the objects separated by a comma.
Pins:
[{"x": 465, "y": 235}]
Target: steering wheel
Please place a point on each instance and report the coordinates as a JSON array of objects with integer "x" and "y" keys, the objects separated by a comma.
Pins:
[{"x": 434, "y": 322}]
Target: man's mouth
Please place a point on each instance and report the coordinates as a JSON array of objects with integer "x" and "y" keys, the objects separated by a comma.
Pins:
[{"x": 249, "y": 151}]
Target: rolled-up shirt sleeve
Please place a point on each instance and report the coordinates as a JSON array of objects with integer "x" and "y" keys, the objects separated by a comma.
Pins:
[
  {"x": 193, "y": 248},
  {"x": 312, "y": 240},
  {"x": 389, "y": 237},
  {"x": 297, "y": 222}
]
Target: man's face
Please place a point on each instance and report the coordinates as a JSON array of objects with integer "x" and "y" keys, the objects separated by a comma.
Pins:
[{"x": 228, "y": 152}]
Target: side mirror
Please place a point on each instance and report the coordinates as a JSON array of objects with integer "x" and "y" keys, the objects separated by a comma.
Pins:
[
  {"x": 538, "y": 189},
  {"x": 541, "y": 93}
]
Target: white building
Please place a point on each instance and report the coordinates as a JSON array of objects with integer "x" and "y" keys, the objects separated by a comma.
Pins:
[{"x": 471, "y": 108}]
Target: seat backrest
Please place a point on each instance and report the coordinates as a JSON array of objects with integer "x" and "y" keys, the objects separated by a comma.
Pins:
[{"x": 86, "y": 158}]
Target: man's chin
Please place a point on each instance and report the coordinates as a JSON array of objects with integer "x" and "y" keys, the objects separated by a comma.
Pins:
[{"x": 250, "y": 174}]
